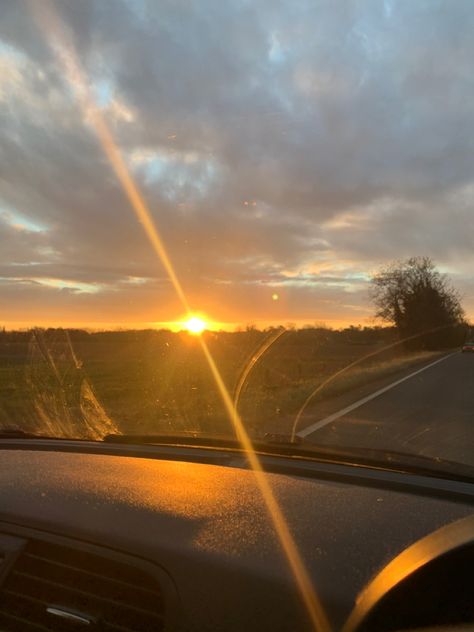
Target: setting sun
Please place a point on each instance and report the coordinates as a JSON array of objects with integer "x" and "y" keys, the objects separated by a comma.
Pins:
[{"x": 195, "y": 325}]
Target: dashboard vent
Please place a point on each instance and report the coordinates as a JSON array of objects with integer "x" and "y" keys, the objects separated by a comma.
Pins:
[{"x": 55, "y": 588}]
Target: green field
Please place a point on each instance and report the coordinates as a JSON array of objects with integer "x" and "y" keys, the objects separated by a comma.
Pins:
[{"x": 89, "y": 384}]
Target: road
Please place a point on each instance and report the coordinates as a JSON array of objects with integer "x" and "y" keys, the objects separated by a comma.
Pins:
[{"x": 430, "y": 413}]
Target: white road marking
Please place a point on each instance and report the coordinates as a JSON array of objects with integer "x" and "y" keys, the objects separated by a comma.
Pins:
[{"x": 340, "y": 413}]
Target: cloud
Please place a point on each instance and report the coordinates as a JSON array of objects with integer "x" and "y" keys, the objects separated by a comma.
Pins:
[{"x": 296, "y": 145}]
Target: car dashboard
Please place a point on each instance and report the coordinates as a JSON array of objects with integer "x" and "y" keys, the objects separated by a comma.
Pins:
[{"x": 130, "y": 539}]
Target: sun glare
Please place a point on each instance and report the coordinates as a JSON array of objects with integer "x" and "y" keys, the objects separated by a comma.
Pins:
[{"x": 195, "y": 325}]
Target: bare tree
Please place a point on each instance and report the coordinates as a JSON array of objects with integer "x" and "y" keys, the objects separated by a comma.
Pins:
[{"x": 420, "y": 301}]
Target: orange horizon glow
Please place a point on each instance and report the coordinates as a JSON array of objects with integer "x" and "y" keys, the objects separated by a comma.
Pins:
[{"x": 176, "y": 326}]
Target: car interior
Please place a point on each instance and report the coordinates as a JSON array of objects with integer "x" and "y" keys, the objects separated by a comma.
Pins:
[{"x": 133, "y": 538}]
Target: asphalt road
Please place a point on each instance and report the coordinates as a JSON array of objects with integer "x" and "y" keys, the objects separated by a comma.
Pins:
[{"x": 431, "y": 414}]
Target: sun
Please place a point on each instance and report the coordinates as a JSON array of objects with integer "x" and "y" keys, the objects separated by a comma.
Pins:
[{"x": 195, "y": 325}]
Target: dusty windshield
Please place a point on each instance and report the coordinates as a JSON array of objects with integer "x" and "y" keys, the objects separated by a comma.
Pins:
[{"x": 239, "y": 220}]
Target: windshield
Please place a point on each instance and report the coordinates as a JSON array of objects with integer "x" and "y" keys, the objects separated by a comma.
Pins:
[{"x": 238, "y": 219}]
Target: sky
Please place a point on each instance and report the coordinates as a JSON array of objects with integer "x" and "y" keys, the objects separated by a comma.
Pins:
[{"x": 285, "y": 150}]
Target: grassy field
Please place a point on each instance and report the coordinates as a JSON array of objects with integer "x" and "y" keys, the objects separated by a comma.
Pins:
[{"x": 89, "y": 384}]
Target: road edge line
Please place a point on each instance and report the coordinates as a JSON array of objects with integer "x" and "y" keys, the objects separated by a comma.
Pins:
[{"x": 327, "y": 420}]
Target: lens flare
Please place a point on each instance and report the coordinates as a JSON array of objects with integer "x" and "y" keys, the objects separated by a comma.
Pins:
[{"x": 61, "y": 42}]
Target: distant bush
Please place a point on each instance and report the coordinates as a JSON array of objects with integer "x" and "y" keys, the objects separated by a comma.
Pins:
[{"x": 421, "y": 302}]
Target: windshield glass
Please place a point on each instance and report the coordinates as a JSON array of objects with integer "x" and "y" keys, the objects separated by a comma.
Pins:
[{"x": 239, "y": 219}]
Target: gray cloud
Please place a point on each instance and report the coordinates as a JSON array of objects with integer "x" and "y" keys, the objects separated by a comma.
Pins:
[{"x": 279, "y": 145}]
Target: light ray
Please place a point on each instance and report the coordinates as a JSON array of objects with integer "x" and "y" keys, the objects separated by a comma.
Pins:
[
  {"x": 310, "y": 598},
  {"x": 61, "y": 42}
]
